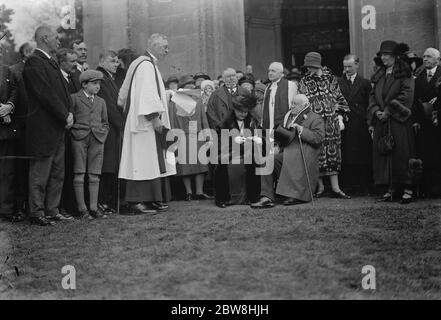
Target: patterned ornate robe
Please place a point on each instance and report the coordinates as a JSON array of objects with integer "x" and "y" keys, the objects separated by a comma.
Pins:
[{"x": 327, "y": 100}]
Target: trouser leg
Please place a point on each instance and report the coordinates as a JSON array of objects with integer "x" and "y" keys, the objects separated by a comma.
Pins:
[
  {"x": 267, "y": 181},
  {"x": 55, "y": 181}
]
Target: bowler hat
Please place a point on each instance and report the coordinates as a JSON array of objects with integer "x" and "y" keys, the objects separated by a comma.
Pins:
[
  {"x": 184, "y": 80},
  {"x": 388, "y": 47},
  {"x": 246, "y": 79},
  {"x": 201, "y": 75},
  {"x": 90, "y": 75},
  {"x": 313, "y": 60}
]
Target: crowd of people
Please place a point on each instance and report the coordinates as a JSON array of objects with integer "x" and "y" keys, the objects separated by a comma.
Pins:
[{"x": 77, "y": 142}]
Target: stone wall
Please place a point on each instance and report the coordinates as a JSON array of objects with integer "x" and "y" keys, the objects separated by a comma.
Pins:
[
  {"x": 409, "y": 21},
  {"x": 204, "y": 35}
]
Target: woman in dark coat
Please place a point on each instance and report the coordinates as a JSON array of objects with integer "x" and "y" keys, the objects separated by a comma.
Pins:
[{"x": 390, "y": 107}]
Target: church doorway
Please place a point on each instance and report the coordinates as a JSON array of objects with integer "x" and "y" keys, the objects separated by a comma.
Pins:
[{"x": 315, "y": 25}]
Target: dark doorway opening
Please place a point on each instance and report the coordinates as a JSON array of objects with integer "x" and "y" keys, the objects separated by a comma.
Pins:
[{"x": 316, "y": 25}]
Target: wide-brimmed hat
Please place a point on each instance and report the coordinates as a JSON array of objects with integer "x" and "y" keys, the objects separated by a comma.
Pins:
[
  {"x": 201, "y": 75},
  {"x": 171, "y": 79},
  {"x": 90, "y": 75},
  {"x": 388, "y": 47},
  {"x": 313, "y": 60},
  {"x": 184, "y": 80}
]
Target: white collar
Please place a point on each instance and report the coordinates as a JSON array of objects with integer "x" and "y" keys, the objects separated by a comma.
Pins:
[
  {"x": 45, "y": 53},
  {"x": 433, "y": 70},
  {"x": 352, "y": 78},
  {"x": 88, "y": 95},
  {"x": 154, "y": 58},
  {"x": 65, "y": 74},
  {"x": 273, "y": 84}
]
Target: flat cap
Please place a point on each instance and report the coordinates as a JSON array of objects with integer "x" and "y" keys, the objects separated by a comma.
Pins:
[{"x": 90, "y": 75}]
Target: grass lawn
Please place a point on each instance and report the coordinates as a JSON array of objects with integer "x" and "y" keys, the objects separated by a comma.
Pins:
[{"x": 197, "y": 251}]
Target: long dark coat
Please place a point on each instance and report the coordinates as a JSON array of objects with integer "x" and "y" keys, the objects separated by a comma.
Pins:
[
  {"x": 356, "y": 142},
  {"x": 220, "y": 106},
  {"x": 429, "y": 137},
  {"x": 400, "y": 87},
  {"x": 326, "y": 99},
  {"x": 109, "y": 92},
  {"x": 293, "y": 182},
  {"x": 8, "y": 93},
  {"x": 49, "y": 102}
]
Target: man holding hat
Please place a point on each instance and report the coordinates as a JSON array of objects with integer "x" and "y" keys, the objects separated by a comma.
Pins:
[
  {"x": 89, "y": 134},
  {"x": 305, "y": 134}
]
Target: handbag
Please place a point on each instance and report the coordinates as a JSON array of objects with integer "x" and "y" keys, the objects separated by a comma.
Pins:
[{"x": 386, "y": 143}]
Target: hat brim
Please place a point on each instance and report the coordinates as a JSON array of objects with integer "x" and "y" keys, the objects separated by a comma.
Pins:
[
  {"x": 202, "y": 77},
  {"x": 181, "y": 85},
  {"x": 92, "y": 80},
  {"x": 317, "y": 66}
]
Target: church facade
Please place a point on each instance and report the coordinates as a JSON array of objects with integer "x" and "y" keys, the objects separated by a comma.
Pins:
[{"x": 210, "y": 35}]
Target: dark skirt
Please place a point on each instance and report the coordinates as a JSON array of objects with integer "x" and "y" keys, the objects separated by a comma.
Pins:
[{"x": 148, "y": 190}]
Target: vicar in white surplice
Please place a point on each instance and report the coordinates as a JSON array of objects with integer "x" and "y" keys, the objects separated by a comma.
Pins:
[{"x": 145, "y": 163}]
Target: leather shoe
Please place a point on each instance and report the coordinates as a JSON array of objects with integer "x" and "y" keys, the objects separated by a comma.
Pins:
[
  {"x": 264, "y": 203},
  {"x": 160, "y": 206},
  {"x": 188, "y": 197},
  {"x": 60, "y": 217},
  {"x": 41, "y": 221},
  {"x": 221, "y": 205},
  {"x": 340, "y": 195},
  {"x": 292, "y": 202},
  {"x": 203, "y": 196},
  {"x": 319, "y": 194},
  {"x": 98, "y": 214},
  {"x": 140, "y": 208}
]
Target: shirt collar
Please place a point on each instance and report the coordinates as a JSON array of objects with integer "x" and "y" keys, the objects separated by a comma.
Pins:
[
  {"x": 273, "y": 84},
  {"x": 65, "y": 74},
  {"x": 433, "y": 70},
  {"x": 88, "y": 96},
  {"x": 44, "y": 52},
  {"x": 154, "y": 58},
  {"x": 352, "y": 78}
]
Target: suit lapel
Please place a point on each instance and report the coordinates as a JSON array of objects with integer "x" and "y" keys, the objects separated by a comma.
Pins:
[
  {"x": 223, "y": 95},
  {"x": 355, "y": 87},
  {"x": 85, "y": 99}
]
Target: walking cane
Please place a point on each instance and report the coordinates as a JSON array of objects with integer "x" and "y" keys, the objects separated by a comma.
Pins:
[{"x": 306, "y": 169}]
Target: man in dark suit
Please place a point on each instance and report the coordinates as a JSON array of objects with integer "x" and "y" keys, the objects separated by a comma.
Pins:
[
  {"x": 8, "y": 136},
  {"x": 220, "y": 104},
  {"x": 356, "y": 140},
  {"x": 67, "y": 59},
  {"x": 19, "y": 118},
  {"x": 427, "y": 134},
  {"x": 112, "y": 148},
  {"x": 49, "y": 116}
]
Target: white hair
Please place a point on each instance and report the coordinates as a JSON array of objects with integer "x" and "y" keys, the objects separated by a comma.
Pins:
[
  {"x": 229, "y": 70},
  {"x": 434, "y": 52},
  {"x": 300, "y": 99},
  {"x": 278, "y": 66},
  {"x": 154, "y": 39}
]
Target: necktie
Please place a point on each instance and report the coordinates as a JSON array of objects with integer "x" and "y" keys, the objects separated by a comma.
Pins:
[{"x": 429, "y": 76}]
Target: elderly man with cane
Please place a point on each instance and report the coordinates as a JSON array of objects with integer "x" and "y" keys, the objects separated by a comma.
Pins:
[{"x": 296, "y": 165}]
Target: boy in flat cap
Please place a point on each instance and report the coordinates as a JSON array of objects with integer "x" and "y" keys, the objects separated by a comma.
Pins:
[{"x": 89, "y": 134}]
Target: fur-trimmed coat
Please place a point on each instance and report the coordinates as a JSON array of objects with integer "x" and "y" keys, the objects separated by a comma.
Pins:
[{"x": 394, "y": 96}]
